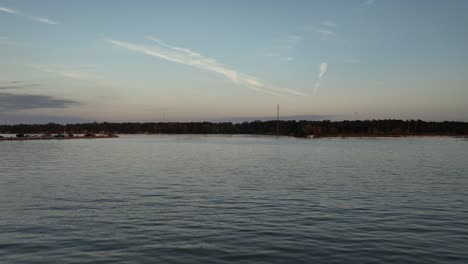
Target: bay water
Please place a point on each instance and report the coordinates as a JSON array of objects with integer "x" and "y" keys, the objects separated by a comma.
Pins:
[{"x": 234, "y": 199}]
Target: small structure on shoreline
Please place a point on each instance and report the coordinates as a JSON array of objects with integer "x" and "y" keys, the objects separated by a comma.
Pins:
[{"x": 24, "y": 137}]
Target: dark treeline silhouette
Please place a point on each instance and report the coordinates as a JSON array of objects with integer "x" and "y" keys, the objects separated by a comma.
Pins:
[{"x": 290, "y": 128}]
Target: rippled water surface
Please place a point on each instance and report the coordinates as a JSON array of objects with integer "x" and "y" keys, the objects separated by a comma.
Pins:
[{"x": 234, "y": 199}]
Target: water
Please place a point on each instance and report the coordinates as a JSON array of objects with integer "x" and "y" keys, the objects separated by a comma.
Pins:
[{"x": 234, "y": 199}]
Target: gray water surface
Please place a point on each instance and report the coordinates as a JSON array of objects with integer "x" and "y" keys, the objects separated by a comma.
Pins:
[{"x": 234, "y": 199}]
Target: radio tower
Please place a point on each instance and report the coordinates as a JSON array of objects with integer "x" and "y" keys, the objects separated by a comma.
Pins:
[{"x": 277, "y": 119}]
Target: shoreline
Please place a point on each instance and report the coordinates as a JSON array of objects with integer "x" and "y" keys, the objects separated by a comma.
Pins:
[
  {"x": 390, "y": 136},
  {"x": 51, "y": 138},
  {"x": 303, "y": 128},
  {"x": 323, "y": 136},
  {"x": 312, "y": 136}
]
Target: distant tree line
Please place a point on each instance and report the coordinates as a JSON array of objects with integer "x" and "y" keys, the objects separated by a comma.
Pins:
[{"x": 291, "y": 128}]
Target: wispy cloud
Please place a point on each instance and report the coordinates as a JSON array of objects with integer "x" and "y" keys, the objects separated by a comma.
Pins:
[
  {"x": 12, "y": 102},
  {"x": 326, "y": 29},
  {"x": 328, "y": 23},
  {"x": 283, "y": 48},
  {"x": 292, "y": 41},
  {"x": 324, "y": 32},
  {"x": 321, "y": 72},
  {"x": 44, "y": 20},
  {"x": 322, "y": 69},
  {"x": 194, "y": 59},
  {"x": 76, "y": 72},
  {"x": 14, "y": 85},
  {"x": 85, "y": 73},
  {"x": 8, "y": 10},
  {"x": 279, "y": 56},
  {"x": 17, "y": 102}
]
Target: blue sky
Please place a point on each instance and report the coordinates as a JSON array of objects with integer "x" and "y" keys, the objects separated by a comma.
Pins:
[{"x": 116, "y": 60}]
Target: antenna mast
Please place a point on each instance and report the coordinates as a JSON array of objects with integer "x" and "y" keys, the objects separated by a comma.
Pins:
[{"x": 277, "y": 119}]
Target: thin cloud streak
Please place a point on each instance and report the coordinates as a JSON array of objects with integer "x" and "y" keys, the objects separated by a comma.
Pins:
[
  {"x": 278, "y": 56},
  {"x": 43, "y": 20},
  {"x": 323, "y": 32},
  {"x": 8, "y": 10},
  {"x": 292, "y": 41},
  {"x": 68, "y": 72},
  {"x": 326, "y": 32},
  {"x": 188, "y": 57},
  {"x": 14, "y": 85},
  {"x": 283, "y": 48},
  {"x": 322, "y": 70},
  {"x": 82, "y": 73},
  {"x": 328, "y": 23}
]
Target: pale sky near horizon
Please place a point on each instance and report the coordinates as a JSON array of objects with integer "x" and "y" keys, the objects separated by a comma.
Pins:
[{"x": 122, "y": 60}]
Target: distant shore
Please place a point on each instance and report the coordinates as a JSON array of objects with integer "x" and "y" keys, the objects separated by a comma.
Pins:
[
  {"x": 304, "y": 128},
  {"x": 389, "y": 136},
  {"x": 322, "y": 136},
  {"x": 29, "y": 138}
]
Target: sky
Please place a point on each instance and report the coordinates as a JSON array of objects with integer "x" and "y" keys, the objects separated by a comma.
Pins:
[{"x": 209, "y": 60}]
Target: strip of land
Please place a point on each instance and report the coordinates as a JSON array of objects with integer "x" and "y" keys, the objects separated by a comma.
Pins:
[
  {"x": 389, "y": 136},
  {"x": 16, "y": 138},
  {"x": 302, "y": 128}
]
